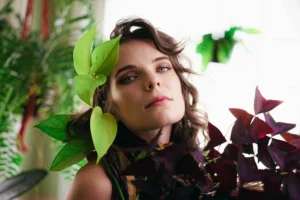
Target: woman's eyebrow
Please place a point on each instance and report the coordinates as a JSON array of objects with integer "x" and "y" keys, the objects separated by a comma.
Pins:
[
  {"x": 126, "y": 67},
  {"x": 160, "y": 58}
]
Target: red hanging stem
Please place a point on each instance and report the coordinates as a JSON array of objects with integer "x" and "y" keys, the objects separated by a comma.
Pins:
[
  {"x": 27, "y": 117},
  {"x": 45, "y": 20},
  {"x": 26, "y": 27}
]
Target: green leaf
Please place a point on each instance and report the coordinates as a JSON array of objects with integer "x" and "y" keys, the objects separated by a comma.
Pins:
[
  {"x": 206, "y": 48},
  {"x": 55, "y": 126},
  {"x": 225, "y": 48},
  {"x": 141, "y": 155},
  {"x": 86, "y": 86},
  {"x": 228, "y": 35},
  {"x": 105, "y": 57},
  {"x": 82, "y": 52},
  {"x": 71, "y": 153},
  {"x": 250, "y": 30},
  {"x": 104, "y": 131}
]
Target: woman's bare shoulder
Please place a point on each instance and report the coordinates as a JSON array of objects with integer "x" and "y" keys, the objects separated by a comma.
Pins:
[{"x": 90, "y": 182}]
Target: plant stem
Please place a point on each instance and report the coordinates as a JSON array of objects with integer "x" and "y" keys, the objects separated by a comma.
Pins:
[
  {"x": 114, "y": 179},
  {"x": 27, "y": 21},
  {"x": 45, "y": 19}
]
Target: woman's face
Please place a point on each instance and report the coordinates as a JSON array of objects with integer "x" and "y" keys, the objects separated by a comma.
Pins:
[{"x": 145, "y": 89}]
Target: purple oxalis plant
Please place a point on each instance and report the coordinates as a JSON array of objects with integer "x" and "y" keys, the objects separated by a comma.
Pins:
[{"x": 173, "y": 172}]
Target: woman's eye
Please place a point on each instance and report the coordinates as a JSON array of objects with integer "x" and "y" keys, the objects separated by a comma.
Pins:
[
  {"x": 163, "y": 69},
  {"x": 127, "y": 80}
]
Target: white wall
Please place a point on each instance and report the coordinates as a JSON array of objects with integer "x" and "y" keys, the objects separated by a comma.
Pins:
[{"x": 270, "y": 62}]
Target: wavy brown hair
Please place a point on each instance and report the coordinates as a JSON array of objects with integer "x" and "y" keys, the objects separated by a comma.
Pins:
[{"x": 139, "y": 29}]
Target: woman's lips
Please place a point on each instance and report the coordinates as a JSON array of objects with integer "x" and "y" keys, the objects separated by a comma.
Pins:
[{"x": 158, "y": 101}]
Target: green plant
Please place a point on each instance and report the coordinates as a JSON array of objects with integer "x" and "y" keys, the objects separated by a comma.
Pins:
[
  {"x": 36, "y": 72},
  {"x": 219, "y": 50}
]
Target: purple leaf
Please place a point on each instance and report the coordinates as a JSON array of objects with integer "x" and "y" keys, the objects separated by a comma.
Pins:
[
  {"x": 188, "y": 165},
  {"x": 239, "y": 134},
  {"x": 292, "y": 160},
  {"x": 198, "y": 156},
  {"x": 293, "y": 187},
  {"x": 246, "y": 171},
  {"x": 143, "y": 167},
  {"x": 272, "y": 183},
  {"x": 296, "y": 143},
  {"x": 278, "y": 127},
  {"x": 289, "y": 137},
  {"x": 282, "y": 145},
  {"x": 246, "y": 117},
  {"x": 278, "y": 156},
  {"x": 226, "y": 174},
  {"x": 262, "y": 105},
  {"x": 216, "y": 137},
  {"x": 259, "y": 129},
  {"x": 230, "y": 152},
  {"x": 263, "y": 154},
  {"x": 212, "y": 154},
  {"x": 247, "y": 148}
]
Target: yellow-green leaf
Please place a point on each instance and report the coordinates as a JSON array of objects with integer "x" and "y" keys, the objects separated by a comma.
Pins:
[
  {"x": 82, "y": 52},
  {"x": 104, "y": 131},
  {"x": 86, "y": 85},
  {"x": 71, "y": 153},
  {"x": 105, "y": 57},
  {"x": 55, "y": 126},
  {"x": 250, "y": 30}
]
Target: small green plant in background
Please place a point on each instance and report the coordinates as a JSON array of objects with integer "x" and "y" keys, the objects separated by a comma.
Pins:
[{"x": 219, "y": 50}]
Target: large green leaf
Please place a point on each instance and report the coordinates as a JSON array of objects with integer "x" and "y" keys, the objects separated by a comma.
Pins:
[
  {"x": 206, "y": 48},
  {"x": 104, "y": 131},
  {"x": 82, "y": 52},
  {"x": 105, "y": 57},
  {"x": 55, "y": 126},
  {"x": 71, "y": 153},
  {"x": 86, "y": 86}
]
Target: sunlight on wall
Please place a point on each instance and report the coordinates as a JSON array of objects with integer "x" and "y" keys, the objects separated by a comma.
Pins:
[{"x": 270, "y": 61}]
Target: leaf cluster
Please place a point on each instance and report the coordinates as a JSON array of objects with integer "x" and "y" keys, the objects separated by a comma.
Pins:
[{"x": 219, "y": 50}]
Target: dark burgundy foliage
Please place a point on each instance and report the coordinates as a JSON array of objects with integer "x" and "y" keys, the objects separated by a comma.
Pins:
[
  {"x": 247, "y": 148},
  {"x": 230, "y": 152},
  {"x": 263, "y": 154},
  {"x": 278, "y": 127},
  {"x": 289, "y": 137},
  {"x": 246, "y": 117},
  {"x": 239, "y": 133},
  {"x": 173, "y": 172},
  {"x": 262, "y": 105},
  {"x": 215, "y": 136},
  {"x": 293, "y": 188},
  {"x": 259, "y": 129}
]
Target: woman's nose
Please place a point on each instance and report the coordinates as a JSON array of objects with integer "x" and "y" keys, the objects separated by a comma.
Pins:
[{"x": 152, "y": 82}]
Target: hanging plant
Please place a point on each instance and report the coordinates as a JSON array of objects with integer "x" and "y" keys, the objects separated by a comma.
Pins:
[
  {"x": 220, "y": 50},
  {"x": 36, "y": 72}
]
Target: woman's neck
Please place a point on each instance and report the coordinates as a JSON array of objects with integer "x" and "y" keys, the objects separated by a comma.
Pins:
[{"x": 163, "y": 139}]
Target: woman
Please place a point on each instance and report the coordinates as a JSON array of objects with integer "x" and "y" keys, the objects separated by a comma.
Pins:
[{"x": 149, "y": 95}]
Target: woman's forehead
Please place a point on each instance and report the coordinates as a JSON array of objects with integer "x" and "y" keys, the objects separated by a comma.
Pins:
[{"x": 137, "y": 51}]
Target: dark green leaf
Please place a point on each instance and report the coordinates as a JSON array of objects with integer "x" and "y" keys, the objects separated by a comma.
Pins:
[
  {"x": 55, "y": 126},
  {"x": 71, "y": 153}
]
